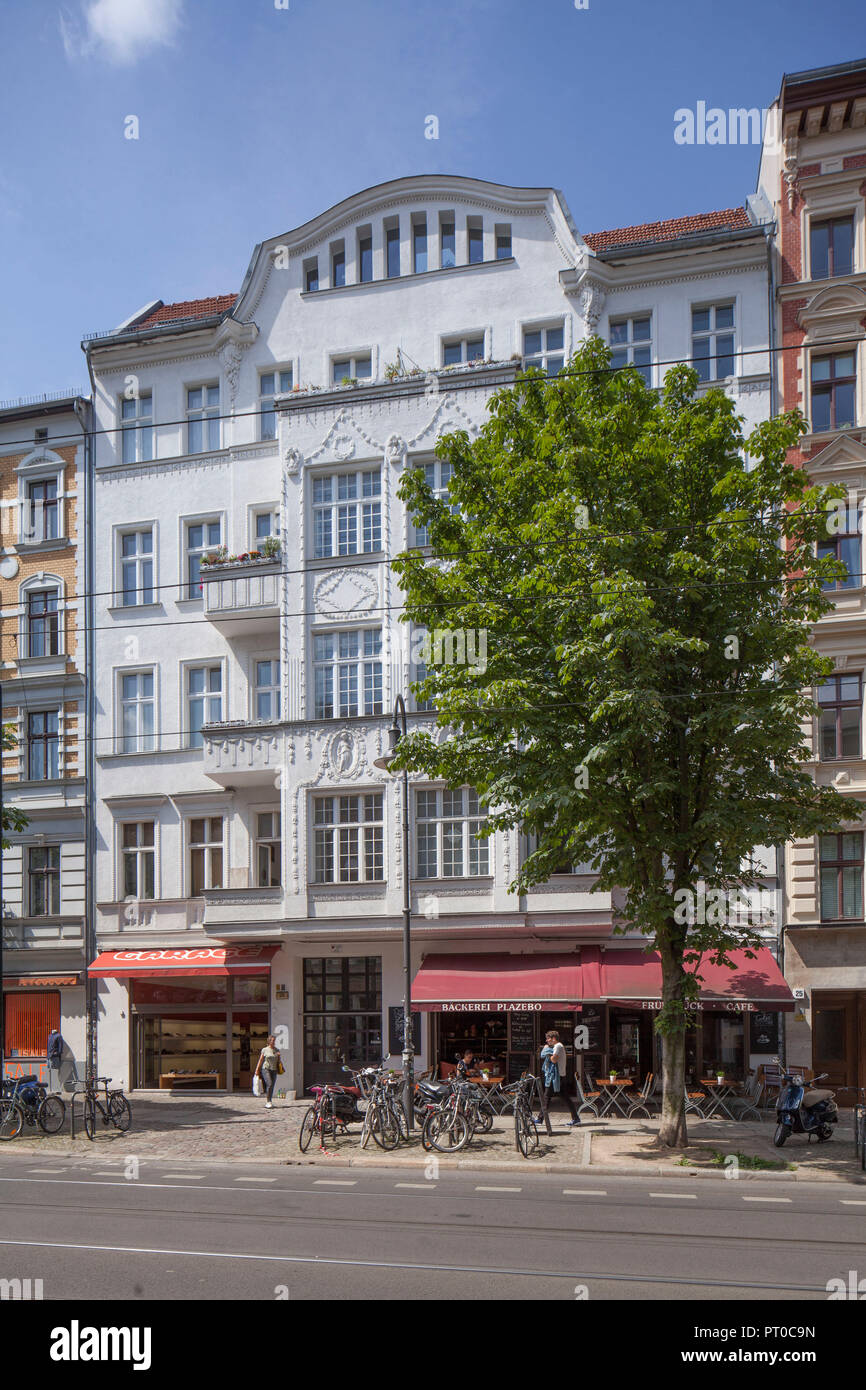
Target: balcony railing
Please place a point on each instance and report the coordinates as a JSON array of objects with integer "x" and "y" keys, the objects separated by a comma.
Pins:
[
  {"x": 236, "y": 591},
  {"x": 242, "y": 753}
]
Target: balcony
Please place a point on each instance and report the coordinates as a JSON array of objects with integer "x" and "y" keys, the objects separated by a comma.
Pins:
[
  {"x": 243, "y": 754},
  {"x": 235, "y": 591}
]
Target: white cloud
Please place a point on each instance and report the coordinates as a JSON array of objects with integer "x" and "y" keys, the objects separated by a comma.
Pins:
[{"x": 120, "y": 30}]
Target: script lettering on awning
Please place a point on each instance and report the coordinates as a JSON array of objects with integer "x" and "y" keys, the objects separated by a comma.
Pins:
[{"x": 736, "y": 1006}]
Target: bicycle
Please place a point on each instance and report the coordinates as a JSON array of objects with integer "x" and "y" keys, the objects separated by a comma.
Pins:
[
  {"x": 116, "y": 1110},
  {"x": 27, "y": 1101},
  {"x": 525, "y": 1130},
  {"x": 384, "y": 1120},
  {"x": 859, "y": 1117},
  {"x": 448, "y": 1126}
]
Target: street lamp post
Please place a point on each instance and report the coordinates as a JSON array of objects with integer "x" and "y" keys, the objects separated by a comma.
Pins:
[{"x": 397, "y": 731}]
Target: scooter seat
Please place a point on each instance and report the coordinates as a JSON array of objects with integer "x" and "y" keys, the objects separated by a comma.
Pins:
[
  {"x": 813, "y": 1098},
  {"x": 434, "y": 1089}
]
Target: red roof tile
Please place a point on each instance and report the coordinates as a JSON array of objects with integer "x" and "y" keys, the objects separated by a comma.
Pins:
[
  {"x": 189, "y": 309},
  {"x": 728, "y": 219}
]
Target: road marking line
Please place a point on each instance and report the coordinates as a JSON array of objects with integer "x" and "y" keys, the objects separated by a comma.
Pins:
[
  {"x": 499, "y": 1189},
  {"x": 582, "y": 1192},
  {"x": 850, "y": 1202},
  {"x": 187, "y": 1177},
  {"x": 49, "y": 1170},
  {"x": 335, "y": 1182},
  {"x": 678, "y": 1196},
  {"x": 417, "y": 1186},
  {"x": 255, "y": 1179},
  {"x": 767, "y": 1199}
]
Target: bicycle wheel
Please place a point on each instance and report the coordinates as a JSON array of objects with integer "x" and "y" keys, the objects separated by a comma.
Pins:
[
  {"x": 328, "y": 1121},
  {"x": 51, "y": 1114},
  {"x": 402, "y": 1125},
  {"x": 447, "y": 1131},
  {"x": 89, "y": 1116},
  {"x": 119, "y": 1111},
  {"x": 525, "y": 1132},
  {"x": 484, "y": 1118},
  {"x": 386, "y": 1128},
  {"x": 308, "y": 1129},
  {"x": 11, "y": 1119}
]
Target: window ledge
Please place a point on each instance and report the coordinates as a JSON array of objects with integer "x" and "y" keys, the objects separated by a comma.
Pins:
[
  {"x": 370, "y": 557},
  {"x": 35, "y": 547},
  {"x": 119, "y": 609}
]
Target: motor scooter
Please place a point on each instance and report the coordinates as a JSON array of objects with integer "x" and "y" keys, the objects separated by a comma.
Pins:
[{"x": 802, "y": 1109}]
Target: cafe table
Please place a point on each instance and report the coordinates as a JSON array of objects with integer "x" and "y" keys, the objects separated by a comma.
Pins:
[
  {"x": 613, "y": 1091},
  {"x": 488, "y": 1080},
  {"x": 719, "y": 1093}
]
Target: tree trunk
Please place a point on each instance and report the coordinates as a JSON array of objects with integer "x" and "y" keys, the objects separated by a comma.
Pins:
[{"x": 672, "y": 1130}]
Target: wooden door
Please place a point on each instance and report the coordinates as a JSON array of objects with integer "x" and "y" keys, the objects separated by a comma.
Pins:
[{"x": 836, "y": 1041}]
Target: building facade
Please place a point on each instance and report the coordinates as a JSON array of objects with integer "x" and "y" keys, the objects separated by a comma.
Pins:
[
  {"x": 249, "y": 867},
  {"x": 42, "y": 583},
  {"x": 815, "y": 178}
]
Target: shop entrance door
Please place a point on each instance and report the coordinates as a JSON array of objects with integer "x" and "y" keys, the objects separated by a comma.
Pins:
[
  {"x": 145, "y": 1072},
  {"x": 839, "y": 1038}
]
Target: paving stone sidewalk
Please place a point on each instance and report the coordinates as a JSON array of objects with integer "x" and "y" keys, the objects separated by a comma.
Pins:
[{"x": 240, "y": 1129}]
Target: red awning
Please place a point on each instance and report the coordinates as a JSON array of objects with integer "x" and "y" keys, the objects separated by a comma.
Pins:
[
  {"x": 487, "y": 984},
  {"x": 39, "y": 981},
  {"x": 632, "y": 977},
  {"x": 202, "y": 960},
  {"x": 628, "y": 977}
]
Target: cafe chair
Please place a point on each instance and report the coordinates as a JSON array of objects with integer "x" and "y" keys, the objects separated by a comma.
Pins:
[
  {"x": 750, "y": 1101},
  {"x": 695, "y": 1100},
  {"x": 586, "y": 1100},
  {"x": 640, "y": 1100},
  {"x": 772, "y": 1083}
]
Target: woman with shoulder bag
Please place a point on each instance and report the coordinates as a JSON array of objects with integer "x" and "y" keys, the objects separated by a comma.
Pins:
[{"x": 268, "y": 1068}]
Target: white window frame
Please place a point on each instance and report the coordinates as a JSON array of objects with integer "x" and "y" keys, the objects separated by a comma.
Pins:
[
  {"x": 277, "y": 372},
  {"x": 355, "y": 667},
  {"x": 462, "y": 341},
  {"x": 631, "y": 343},
  {"x": 41, "y": 584},
  {"x": 469, "y": 843},
  {"x": 41, "y": 466},
  {"x": 274, "y": 690},
  {"x": 205, "y": 413},
  {"x": 420, "y": 535},
  {"x": 351, "y": 510},
  {"x": 138, "y": 529},
  {"x": 260, "y": 841},
  {"x": 138, "y": 851},
  {"x": 352, "y": 361},
  {"x": 208, "y": 846},
  {"x": 271, "y": 509},
  {"x": 121, "y": 672},
  {"x": 207, "y": 696},
  {"x": 711, "y": 334},
  {"x": 137, "y": 426},
  {"x": 342, "y": 832},
  {"x": 205, "y": 519},
  {"x": 542, "y": 359}
]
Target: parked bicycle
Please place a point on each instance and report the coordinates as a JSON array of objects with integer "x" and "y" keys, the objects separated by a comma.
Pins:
[
  {"x": 525, "y": 1130},
  {"x": 26, "y": 1100},
  {"x": 111, "y": 1107}
]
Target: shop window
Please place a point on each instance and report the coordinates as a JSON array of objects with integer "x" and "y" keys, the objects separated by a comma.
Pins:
[
  {"x": 448, "y": 827},
  {"x": 205, "y": 854},
  {"x": 342, "y": 1014},
  {"x": 841, "y": 877},
  {"x": 833, "y": 379},
  {"x": 348, "y": 844},
  {"x": 840, "y": 702},
  {"x": 29, "y": 1018}
]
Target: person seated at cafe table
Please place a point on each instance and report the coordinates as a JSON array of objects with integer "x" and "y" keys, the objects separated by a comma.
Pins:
[{"x": 466, "y": 1065}]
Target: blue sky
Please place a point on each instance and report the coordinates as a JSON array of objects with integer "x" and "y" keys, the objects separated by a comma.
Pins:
[{"x": 253, "y": 119}]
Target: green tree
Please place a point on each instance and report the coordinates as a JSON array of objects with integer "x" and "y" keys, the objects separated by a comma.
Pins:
[
  {"x": 13, "y": 820},
  {"x": 647, "y": 599}
]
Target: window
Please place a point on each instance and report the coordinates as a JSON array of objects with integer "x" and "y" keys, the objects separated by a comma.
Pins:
[
  {"x": 43, "y": 745},
  {"x": 418, "y": 668},
  {"x": 543, "y": 348},
  {"x": 311, "y": 275},
  {"x": 204, "y": 686},
  {"x": 447, "y": 826},
  {"x": 475, "y": 240},
  {"x": 267, "y": 690},
  {"x": 839, "y": 700},
  {"x": 43, "y": 872},
  {"x": 43, "y": 511},
  {"x": 455, "y": 350},
  {"x": 447, "y": 244},
  {"x": 137, "y": 707},
  {"x": 342, "y": 1013},
  {"x": 392, "y": 252},
  {"x": 201, "y": 538},
  {"x": 565, "y": 865},
  {"x": 713, "y": 341},
  {"x": 419, "y": 245},
  {"x": 844, "y": 547},
  {"x": 40, "y": 435},
  {"x": 833, "y": 391},
  {"x": 631, "y": 345},
  {"x": 30, "y": 1017},
  {"x": 338, "y": 267},
  {"x": 347, "y": 514},
  {"x": 347, "y": 673},
  {"x": 503, "y": 243},
  {"x": 347, "y": 839},
  {"x": 43, "y": 622},
  {"x": 351, "y": 368},
  {"x": 365, "y": 258},
  {"x": 841, "y": 876},
  {"x": 203, "y": 419},
  {"x": 831, "y": 248},
  {"x": 138, "y": 859},
  {"x": 271, "y": 384},
  {"x": 437, "y": 475},
  {"x": 268, "y": 849},
  {"x": 136, "y": 568},
  {"x": 136, "y": 428},
  {"x": 265, "y": 524},
  {"x": 205, "y": 854}
]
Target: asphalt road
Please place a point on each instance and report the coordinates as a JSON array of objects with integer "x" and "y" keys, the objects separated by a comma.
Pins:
[{"x": 261, "y": 1232}]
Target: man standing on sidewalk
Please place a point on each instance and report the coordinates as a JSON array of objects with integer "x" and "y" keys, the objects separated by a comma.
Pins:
[{"x": 554, "y": 1066}]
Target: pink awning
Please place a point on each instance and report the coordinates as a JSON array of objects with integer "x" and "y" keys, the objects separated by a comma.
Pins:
[
  {"x": 203, "y": 960},
  {"x": 494, "y": 983},
  {"x": 634, "y": 977}
]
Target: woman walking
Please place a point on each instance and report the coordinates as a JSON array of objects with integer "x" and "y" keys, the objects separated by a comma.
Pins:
[
  {"x": 268, "y": 1068},
  {"x": 553, "y": 1065}
]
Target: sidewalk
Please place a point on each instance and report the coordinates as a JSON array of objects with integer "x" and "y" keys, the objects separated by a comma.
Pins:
[{"x": 239, "y": 1128}]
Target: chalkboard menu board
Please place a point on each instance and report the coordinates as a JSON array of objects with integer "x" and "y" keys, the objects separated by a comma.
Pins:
[
  {"x": 395, "y": 1030},
  {"x": 592, "y": 1018},
  {"x": 764, "y": 1028},
  {"x": 518, "y": 1063},
  {"x": 522, "y": 1032}
]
